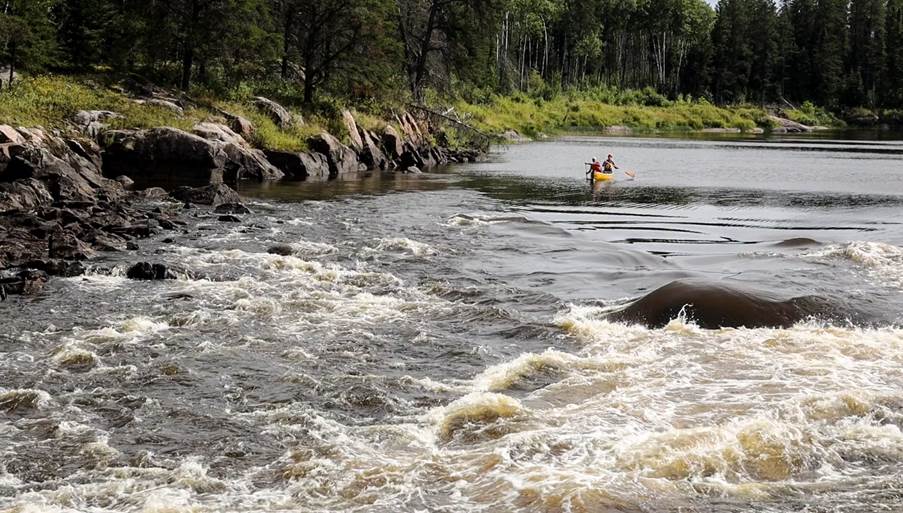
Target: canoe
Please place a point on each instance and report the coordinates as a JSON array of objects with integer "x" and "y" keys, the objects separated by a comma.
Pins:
[{"x": 603, "y": 177}]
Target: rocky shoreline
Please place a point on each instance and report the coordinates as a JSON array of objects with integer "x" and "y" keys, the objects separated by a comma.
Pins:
[{"x": 67, "y": 197}]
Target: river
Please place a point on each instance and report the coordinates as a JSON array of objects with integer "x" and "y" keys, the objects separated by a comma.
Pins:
[{"x": 438, "y": 343}]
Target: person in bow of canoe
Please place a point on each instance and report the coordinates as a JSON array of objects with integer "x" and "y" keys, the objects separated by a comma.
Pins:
[{"x": 594, "y": 167}]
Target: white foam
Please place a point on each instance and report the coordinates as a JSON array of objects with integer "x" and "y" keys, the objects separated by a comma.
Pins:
[
  {"x": 404, "y": 245},
  {"x": 882, "y": 262}
]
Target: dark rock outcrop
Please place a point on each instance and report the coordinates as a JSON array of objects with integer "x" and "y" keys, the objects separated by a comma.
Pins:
[
  {"x": 162, "y": 156},
  {"x": 370, "y": 153},
  {"x": 299, "y": 166},
  {"x": 340, "y": 158},
  {"x": 392, "y": 142},
  {"x": 168, "y": 156}
]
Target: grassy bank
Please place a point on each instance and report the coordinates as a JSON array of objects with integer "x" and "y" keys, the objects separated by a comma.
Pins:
[
  {"x": 52, "y": 101},
  {"x": 643, "y": 111}
]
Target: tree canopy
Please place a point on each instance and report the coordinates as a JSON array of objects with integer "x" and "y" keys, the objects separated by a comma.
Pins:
[{"x": 838, "y": 53}]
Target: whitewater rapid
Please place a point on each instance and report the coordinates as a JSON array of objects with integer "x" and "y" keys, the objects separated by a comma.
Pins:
[{"x": 399, "y": 365}]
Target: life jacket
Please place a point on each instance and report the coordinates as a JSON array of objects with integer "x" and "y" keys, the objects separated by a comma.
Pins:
[
  {"x": 609, "y": 166},
  {"x": 596, "y": 167}
]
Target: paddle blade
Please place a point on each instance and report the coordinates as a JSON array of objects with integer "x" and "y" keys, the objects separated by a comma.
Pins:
[{"x": 630, "y": 173}]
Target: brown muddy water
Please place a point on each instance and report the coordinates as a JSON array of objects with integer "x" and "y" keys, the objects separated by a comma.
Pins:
[{"x": 439, "y": 343}]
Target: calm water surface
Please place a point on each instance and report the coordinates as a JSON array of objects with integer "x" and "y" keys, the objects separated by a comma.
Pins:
[{"x": 438, "y": 343}]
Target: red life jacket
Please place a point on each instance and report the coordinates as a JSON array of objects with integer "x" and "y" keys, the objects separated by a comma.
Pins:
[{"x": 596, "y": 167}]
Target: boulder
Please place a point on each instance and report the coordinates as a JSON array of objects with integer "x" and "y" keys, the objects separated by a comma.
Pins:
[
  {"x": 57, "y": 267},
  {"x": 279, "y": 114},
  {"x": 93, "y": 122},
  {"x": 42, "y": 164},
  {"x": 153, "y": 194},
  {"x": 371, "y": 154},
  {"x": 241, "y": 126},
  {"x": 410, "y": 157},
  {"x": 299, "y": 166},
  {"x": 392, "y": 142},
  {"x": 248, "y": 164},
  {"x": 341, "y": 159},
  {"x": 148, "y": 271},
  {"x": 67, "y": 246},
  {"x": 243, "y": 162},
  {"x": 219, "y": 133},
  {"x": 28, "y": 282},
  {"x": 353, "y": 135},
  {"x": 9, "y": 134},
  {"x": 231, "y": 208},
  {"x": 229, "y": 218},
  {"x": 411, "y": 129},
  {"x": 25, "y": 194},
  {"x": 164, "y": 104},
  {"x": 214, "y": 194},
  {"x": 163, "y": 156},
  {"x": 125, "y": 181}
]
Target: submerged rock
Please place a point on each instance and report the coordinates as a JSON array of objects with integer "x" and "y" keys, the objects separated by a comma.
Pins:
[
  {"x": 718, "y": 305},
  {"x": 281, "y": 249}
]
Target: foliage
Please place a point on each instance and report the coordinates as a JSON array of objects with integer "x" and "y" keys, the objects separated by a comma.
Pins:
[
  {"x": 379, "y": 54},
  {"x": 812, "y": 115}
]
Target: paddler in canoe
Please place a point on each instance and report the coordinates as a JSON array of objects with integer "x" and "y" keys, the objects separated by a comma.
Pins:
[
  {"x": 601, "y": 171},
  {"x": 604, "y": 171}
]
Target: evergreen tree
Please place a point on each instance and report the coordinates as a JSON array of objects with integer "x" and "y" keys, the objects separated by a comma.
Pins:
[
  {"x": 865, "y": 57},
  {"x": 828, "y": 51},
  {"x": 27, "y": 38},
  {"x": 893, "y": 78}
]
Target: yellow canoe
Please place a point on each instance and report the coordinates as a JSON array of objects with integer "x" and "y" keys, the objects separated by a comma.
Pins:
[{"x": 603, "y": 177}]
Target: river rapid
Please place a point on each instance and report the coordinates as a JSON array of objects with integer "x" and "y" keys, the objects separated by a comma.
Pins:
[{"x": 439, "y": 343}]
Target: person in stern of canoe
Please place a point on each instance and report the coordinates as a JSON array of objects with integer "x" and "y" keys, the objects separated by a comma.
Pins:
[{"x": 609, "y": 166}]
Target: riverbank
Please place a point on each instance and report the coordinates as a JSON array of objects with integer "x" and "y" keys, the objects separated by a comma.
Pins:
[{"x": 88, "y": 169}]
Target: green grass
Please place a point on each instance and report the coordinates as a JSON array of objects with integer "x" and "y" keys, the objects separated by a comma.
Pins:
[
  {"x": 812, "y": 115},
  {"x": 532, "y": 116},
  {"x": 51, "y": 101}
]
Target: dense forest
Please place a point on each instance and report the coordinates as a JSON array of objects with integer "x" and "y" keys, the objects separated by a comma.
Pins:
[{"x": 837, "y": 53}]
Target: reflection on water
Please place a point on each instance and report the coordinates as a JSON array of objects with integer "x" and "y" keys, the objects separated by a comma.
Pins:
[{"x": 438, "y": 343}]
